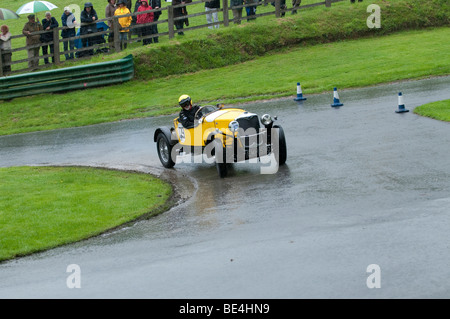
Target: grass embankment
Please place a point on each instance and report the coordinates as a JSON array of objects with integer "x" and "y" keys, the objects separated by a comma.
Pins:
[
  {"x": 257, "y": 60},
  {"x": 439, "y": 110},
  {"x": 44, "y": 207}
]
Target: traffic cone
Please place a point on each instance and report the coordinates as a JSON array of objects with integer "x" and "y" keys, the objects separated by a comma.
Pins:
[
  {"x": 401, "y": 105},
  {"x": 299, "y": 93},
  {"x": 336, "y": 101}
]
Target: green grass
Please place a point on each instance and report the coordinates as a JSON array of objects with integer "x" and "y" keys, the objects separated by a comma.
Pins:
[
  {"x": 319, "y": 68},
  {"x": 320, "y": 47},
  {"x": 44, "y": 207},
  {"x": 437, "y": 110}
]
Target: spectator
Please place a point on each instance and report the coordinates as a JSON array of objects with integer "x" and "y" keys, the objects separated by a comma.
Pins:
[
  {"x": 49, "y": 23},
  {"x": 5, "y": 48},
  {"x": 136, "y": 31},
  {"x": 180, "y": 12},
  {"x": 144, "y": 18},
  {"x": 109, "y": 13},
  {"x": 124, "y": 23},
  {"x": 128, "y": 4},
  {"x": 237, "y": 12},
  {"x": 88, "y": 19},
  {"x": 211, "y": 6},
  {"x": 32, "y": 39},
  {"x": 68, "y": 20},
  {"x": 282, "y": 6},
  {"x": 251, "y": 10},
  {"x": 295, "y": 4},
  {"x": 155, "y": 4}
]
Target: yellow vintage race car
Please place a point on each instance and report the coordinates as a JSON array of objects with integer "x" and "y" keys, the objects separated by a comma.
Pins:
[{"x": 224, "y": 136}]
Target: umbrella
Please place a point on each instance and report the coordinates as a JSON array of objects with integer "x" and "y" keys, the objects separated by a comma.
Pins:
[
  {"x": 6, "y": 14},
  {"x": 36, "y": 6}
]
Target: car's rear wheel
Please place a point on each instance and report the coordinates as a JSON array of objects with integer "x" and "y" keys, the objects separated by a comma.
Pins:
[{"x": 164, "y": 148}]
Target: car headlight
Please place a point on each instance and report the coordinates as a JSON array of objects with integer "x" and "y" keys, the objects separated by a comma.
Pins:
[
  {"x": 233, "y": 126},
  {"x": 266, "y": 119}
]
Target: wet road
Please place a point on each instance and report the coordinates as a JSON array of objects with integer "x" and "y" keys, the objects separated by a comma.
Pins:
[{"x": 363, "y": 185}]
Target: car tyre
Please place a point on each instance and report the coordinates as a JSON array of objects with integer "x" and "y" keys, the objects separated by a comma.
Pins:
[
  {"x": 222, "y": 168},
  {"x": 164, "y": 148},
  {"x": 282, "y": 148}
]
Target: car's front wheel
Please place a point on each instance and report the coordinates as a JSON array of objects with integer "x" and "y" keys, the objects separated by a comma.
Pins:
[
  {"x": 281, "y": 147},
  {"x": 164, "y": 148},
  {"x": 221, "y": 164}
]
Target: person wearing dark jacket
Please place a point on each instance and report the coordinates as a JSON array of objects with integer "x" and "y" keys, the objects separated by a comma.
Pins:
[
  {"x": 48, "y": 24},
  {"x": 89, "y": 25},
  {"x": 155, "y": 4},
  {"x": 187, "y": 114},
  {"x": 137, "y": 31},
  {"x": 237, "y": 12},
  {"x": 68, "y": 20},
  {"x": 180, "y": 12},
  {"x": 212, "y": 6}
]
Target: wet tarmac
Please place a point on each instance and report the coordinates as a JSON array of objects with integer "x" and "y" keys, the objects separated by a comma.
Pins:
[{"x": 362, "y": 185}]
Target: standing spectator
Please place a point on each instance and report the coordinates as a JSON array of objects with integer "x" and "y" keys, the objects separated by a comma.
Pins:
[
  {"x": 128, "y": 4},
  {"x": 251, "y": 10},
  {"x": 68, "y": 22},
  {"x": 109, "y": 13},
  {"x": 155, "y": 4},
  {"x": 124, "y": 23},
  {"x": 282, "y": 6},
  {"x": 5, "y": 48},
  {"x": 144, "y": 18},
  {"x": 49, "y": 23},
  {"x": 210, "y": 6},
  {"x": 88, "y": 18},
  {"x": 180, "y": 12},
  {"x": 32, "y": 39},
  {"x": 237, "y": 12},
  {"x": 295, "y": 4},
  {"x": 136, "y": 31}
]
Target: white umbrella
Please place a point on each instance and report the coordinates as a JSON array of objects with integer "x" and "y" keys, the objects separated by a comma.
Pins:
[{"x": 36, "y": 6}]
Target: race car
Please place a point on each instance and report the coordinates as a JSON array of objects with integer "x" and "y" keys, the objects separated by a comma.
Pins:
[{"x": 225, "y": 135}]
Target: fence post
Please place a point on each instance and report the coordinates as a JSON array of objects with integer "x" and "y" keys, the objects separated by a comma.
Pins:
[
  {"x": 170, "y": 21},
  {"x": 277, "y": 8},
  {"x": 328, "y": 3},
  {"x": 56, "y": 56},
  {"x": 226, "y": 20},
  {"x": 116, "y": 34}
]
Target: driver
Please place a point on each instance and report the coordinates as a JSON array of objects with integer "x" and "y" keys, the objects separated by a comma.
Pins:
[{"x": 187, "y": 114}]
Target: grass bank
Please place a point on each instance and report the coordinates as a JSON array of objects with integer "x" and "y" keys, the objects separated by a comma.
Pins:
[
  {"x": 320, "y": 47},
  {"x": 44, "y": 207},
  {"x": 437, "y": 110},
  {"x": 345, "y": 64}
]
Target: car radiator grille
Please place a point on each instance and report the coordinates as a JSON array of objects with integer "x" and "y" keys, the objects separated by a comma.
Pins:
[{"x": 249, "y": 122}]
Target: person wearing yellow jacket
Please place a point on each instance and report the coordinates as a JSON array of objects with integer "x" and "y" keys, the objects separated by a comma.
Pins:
[{"x": 124, "y": 23}]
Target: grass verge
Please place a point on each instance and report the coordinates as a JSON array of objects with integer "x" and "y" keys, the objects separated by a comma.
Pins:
[
  {"x": 345, "y": 64},
  {"x": 45, "y": 207},
  {"x": 439, "y": 110}
]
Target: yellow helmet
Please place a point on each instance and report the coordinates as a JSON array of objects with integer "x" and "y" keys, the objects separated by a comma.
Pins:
[{"x": 184, "y": 101}]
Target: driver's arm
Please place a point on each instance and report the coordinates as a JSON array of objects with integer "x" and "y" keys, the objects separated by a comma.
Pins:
[{"x": 186, "y": 121}]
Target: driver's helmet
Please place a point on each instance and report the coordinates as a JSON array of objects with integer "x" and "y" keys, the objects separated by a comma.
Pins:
[{"x": 185, "y": 102}]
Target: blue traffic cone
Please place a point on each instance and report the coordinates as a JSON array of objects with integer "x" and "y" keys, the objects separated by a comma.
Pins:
[
  {"x": 336, "y": 101},
  {"x": 401, "y": 105},
  {"x": 299, "y": 93}
]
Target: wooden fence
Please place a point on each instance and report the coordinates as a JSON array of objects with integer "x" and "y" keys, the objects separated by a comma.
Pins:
[{"x": 103, "y": 45}]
